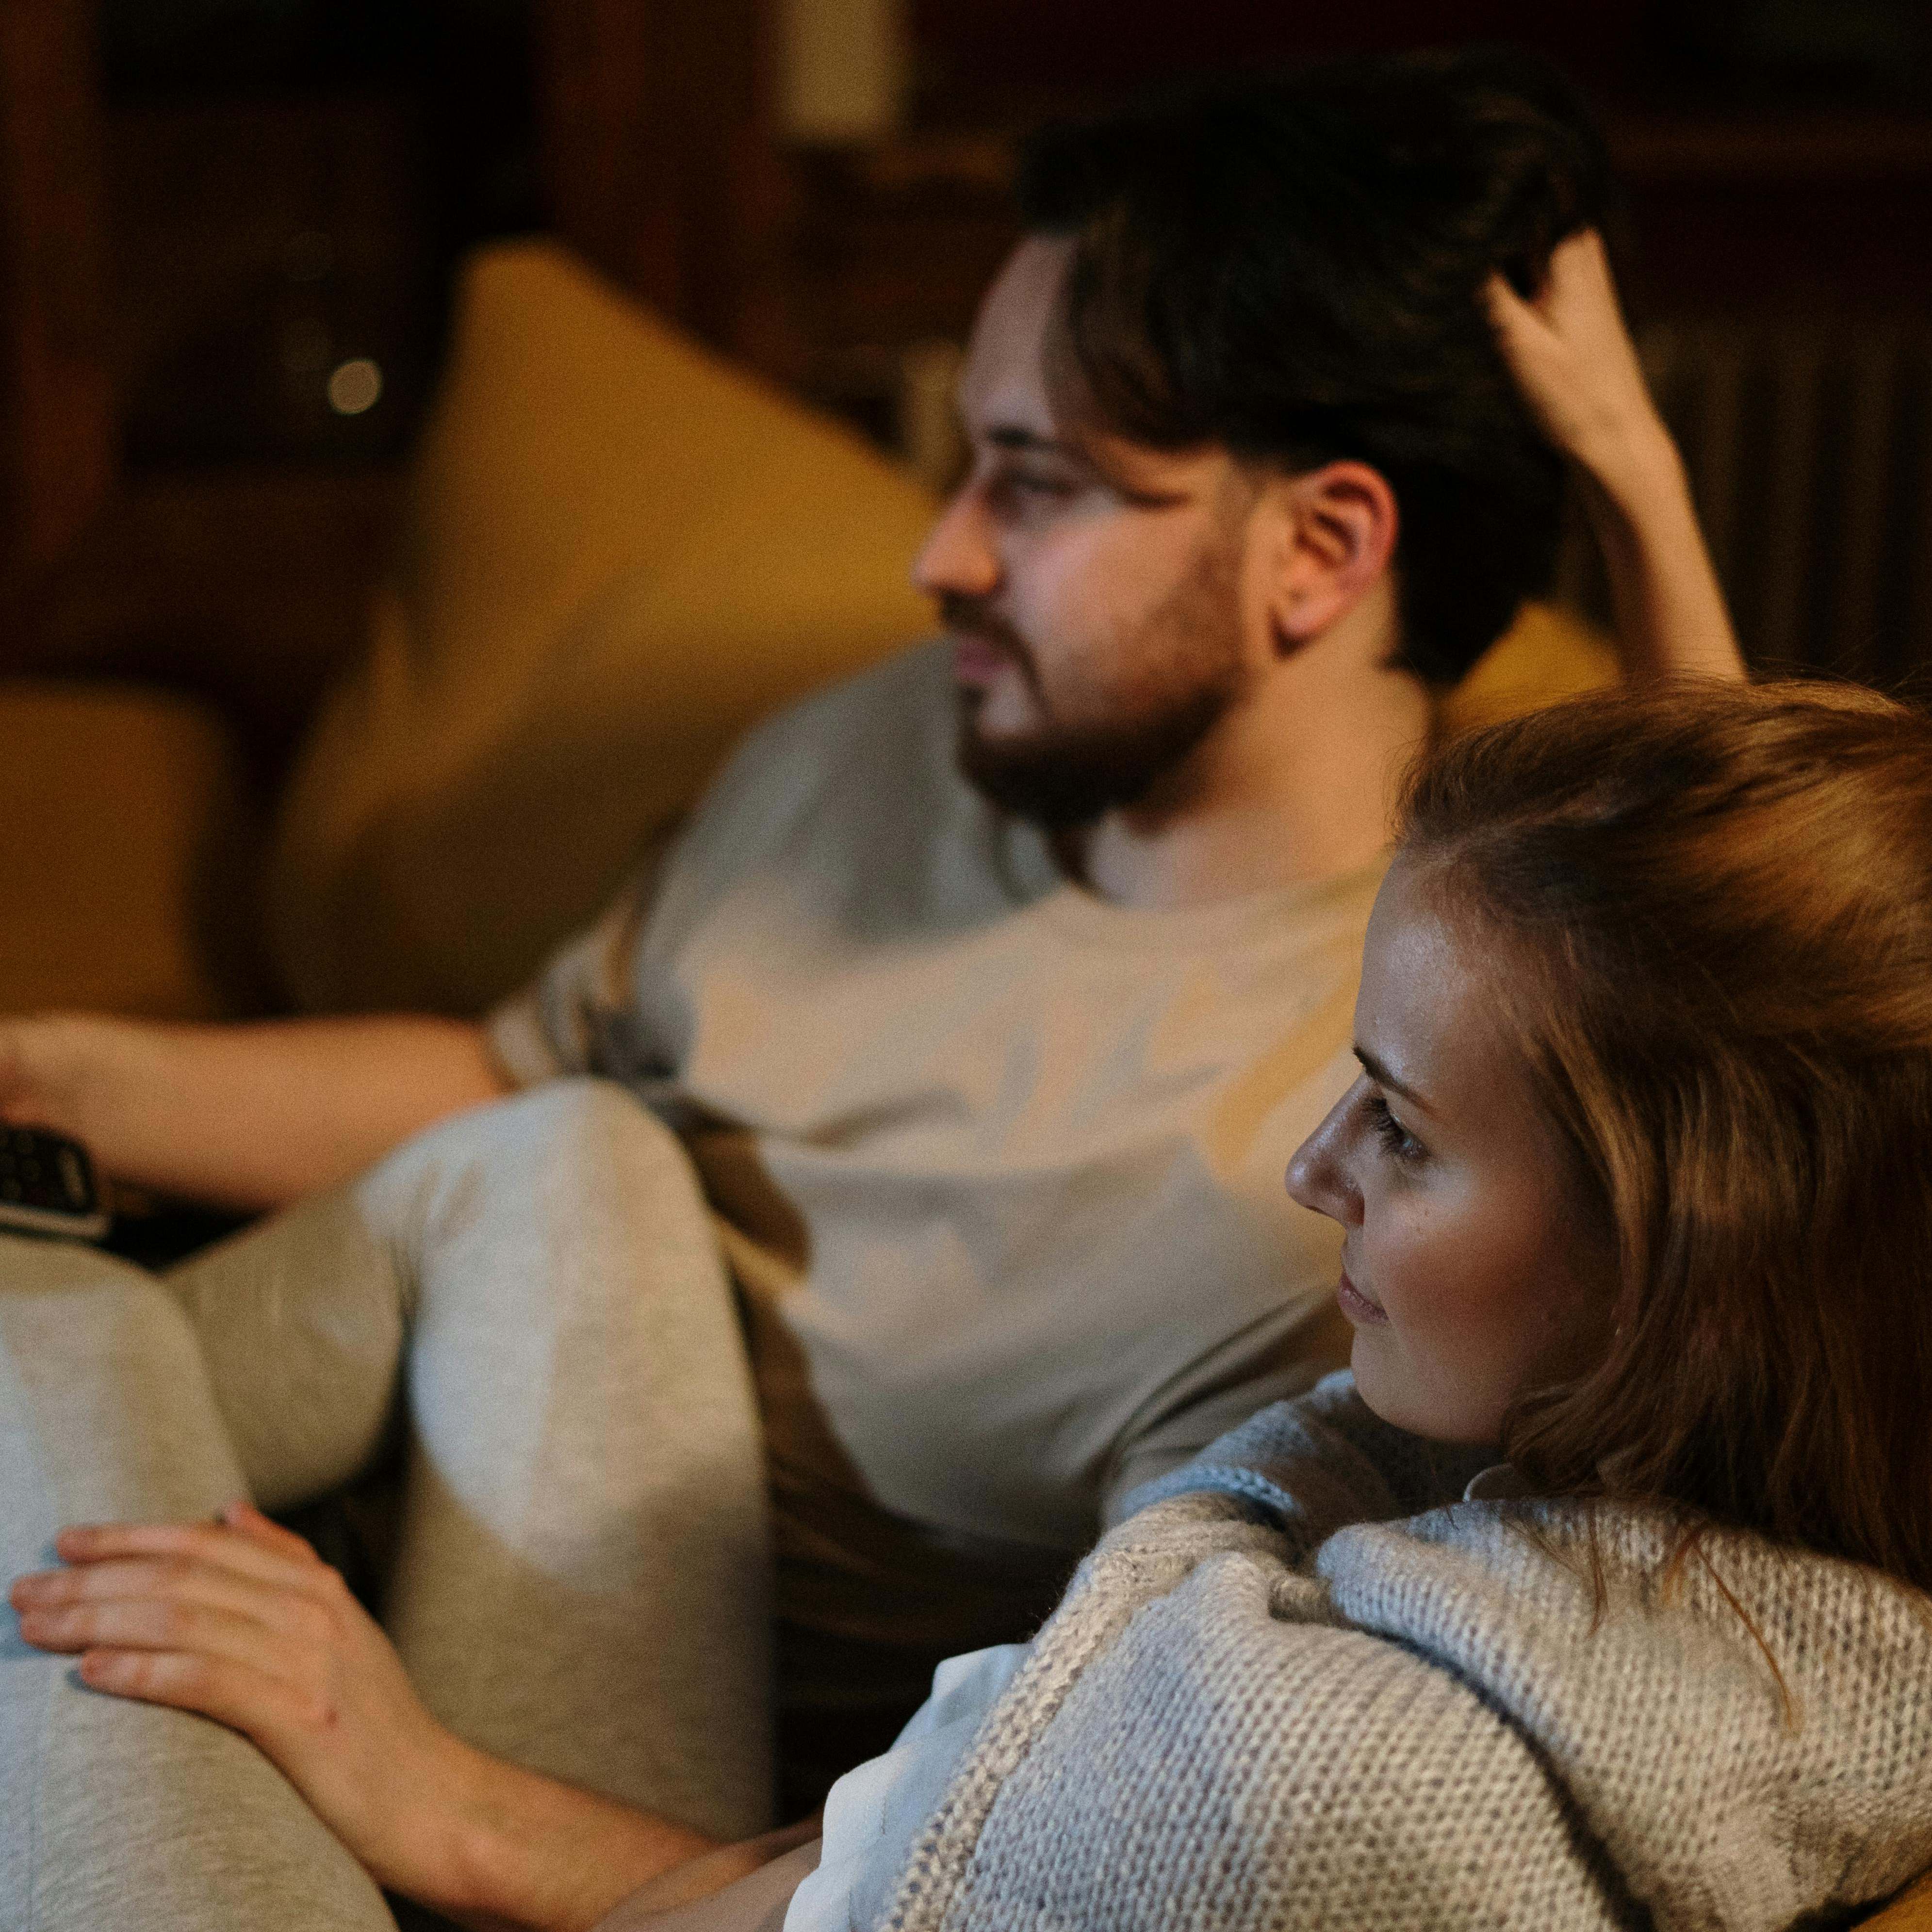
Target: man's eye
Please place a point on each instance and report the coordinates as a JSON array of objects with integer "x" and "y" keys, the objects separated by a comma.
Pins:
[
  {"x": 1390, "y": 1131},
  {"x": 1034, "y": 483}
]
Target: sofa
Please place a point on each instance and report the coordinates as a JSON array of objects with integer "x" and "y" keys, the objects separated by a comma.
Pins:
[{"x": 617, "y": 552}]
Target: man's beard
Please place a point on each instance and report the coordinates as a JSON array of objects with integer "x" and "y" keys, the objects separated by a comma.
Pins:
[
  {"x": 1061, "y": 776},
  {"x": 1066, "y": 772}
]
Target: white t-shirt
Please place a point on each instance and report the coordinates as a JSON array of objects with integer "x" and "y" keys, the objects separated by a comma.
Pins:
[{"x": 998, "y": 1165}]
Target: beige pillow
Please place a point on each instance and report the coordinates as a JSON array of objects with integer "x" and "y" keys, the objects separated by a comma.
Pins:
[{"x": 619, "y": 552}]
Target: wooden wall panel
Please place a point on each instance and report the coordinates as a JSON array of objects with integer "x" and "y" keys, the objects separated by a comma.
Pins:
[
  {"x": 656, "y": 121},
  {"x": 57, "y": 429}
]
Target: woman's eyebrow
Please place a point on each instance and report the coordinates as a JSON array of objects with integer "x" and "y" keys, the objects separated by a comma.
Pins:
[{"x": 1382, "y": 1077}]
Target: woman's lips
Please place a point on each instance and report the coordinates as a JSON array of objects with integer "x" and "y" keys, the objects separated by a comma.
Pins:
[{"x": 1357, "y": 1306}]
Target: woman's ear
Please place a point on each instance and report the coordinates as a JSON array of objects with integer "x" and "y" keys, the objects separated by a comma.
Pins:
[{"x": 1338, "y": 526}]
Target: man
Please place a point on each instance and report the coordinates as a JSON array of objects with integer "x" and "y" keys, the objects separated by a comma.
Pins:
[{"x": 989, "y": 993}]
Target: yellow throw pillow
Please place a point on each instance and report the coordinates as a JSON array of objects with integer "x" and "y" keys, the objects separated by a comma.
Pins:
[
  {"x": 1547, "y": 655},
  {"x": 1911, "y": 1911},
  {"x": 619, "y": 552}
]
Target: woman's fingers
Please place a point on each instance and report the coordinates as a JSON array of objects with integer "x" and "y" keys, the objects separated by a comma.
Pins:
[
  {"x": 1573, "y": 358},
  {"x": 168, "y": 1618},
  {"x": 276, "y": 1635},
  {"x": 230, "y": 1692},
  {"x": 228, "y": 1595},
  {"x": 1579, "y": 273},
  {"x": 244, "y": 1554},
  {"x": 240, "y": 1622},
  {"x": 226, "y": 1665},
  {"x": 184, "y": 1583},
  {"x": 254, "y": 1641},
  {"x": 1538, "y": 357},
  {"x": 1522, "y": 332},
  {"x": 242, "y": 1516},
  {"x": 1509, "y": 311}
]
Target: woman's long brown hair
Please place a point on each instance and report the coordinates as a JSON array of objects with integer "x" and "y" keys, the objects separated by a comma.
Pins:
[{"x": 1712, "y": 911}]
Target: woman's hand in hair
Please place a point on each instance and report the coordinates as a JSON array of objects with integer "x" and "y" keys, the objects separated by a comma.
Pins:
[{"x": 1574, "y": 361}]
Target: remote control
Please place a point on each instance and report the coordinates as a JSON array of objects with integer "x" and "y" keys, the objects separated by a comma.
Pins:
[{"x": 47, "y": 1186}]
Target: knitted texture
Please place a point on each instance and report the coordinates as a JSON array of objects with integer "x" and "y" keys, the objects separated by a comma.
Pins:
[{"x": 1428, "y": 1721}]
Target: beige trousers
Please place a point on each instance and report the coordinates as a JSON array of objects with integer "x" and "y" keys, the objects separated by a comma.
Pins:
[{"x": 526, "y": 1305}]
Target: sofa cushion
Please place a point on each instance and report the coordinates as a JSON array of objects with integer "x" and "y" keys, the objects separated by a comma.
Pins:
[
  {"x": 129, "y": 885},
  {"x": 618, "y": 552}
]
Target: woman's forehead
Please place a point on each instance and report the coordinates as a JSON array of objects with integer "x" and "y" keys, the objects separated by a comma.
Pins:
[{"x": 1431, "y": 1004}]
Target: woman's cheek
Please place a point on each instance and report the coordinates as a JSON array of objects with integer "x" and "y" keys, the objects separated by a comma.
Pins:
[{"x": 1441, "y": 1295}]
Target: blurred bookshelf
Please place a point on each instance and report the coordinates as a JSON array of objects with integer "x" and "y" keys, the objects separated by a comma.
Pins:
[{"x": 228, "y": 229}]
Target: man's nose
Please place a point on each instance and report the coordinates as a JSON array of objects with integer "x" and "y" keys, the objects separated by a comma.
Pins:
[{"x": 958, "y": 558}]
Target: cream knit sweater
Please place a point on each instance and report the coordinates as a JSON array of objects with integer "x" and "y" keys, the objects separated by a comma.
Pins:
[{"x": 1245, "y": 1715}]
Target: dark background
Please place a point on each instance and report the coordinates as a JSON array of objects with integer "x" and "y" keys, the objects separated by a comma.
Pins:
[{"x": 212, "y": 206}]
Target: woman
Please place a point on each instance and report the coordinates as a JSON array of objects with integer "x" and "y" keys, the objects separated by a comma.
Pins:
[
  {"x": 1595, "y": 1593},
  {"x": 1633, "y": 1188}
]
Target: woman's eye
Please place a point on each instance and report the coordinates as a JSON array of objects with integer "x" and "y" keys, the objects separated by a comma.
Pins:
[{"x": 1390, "y": 1131}]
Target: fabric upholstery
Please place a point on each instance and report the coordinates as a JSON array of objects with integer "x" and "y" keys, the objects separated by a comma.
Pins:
[
  {"x": 1911, "y": 1913},
  {"x": 129, "y": 883}
]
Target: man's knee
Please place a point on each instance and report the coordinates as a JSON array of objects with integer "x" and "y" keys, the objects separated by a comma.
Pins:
[
  {"x": 86, "y": 1319},
  {"x": 90, "y": 1331},
  {"x": 36, "y": 1264},
  {"x": 578, "y": 1135},
  {"x": 106, "y": 1379},
  {"x": 581, "y": 1116}
]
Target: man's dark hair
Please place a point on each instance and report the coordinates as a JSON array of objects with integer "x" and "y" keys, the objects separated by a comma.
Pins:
[{"x": 1291, "y": 269}]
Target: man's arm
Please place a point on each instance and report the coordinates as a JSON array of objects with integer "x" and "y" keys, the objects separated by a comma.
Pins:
[
  {"x": 1578, "y": 370},
  {"x": 244, "y": 1117}
]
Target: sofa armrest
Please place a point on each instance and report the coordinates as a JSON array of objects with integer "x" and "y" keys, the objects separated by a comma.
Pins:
[{"x": 129, "y": 875}]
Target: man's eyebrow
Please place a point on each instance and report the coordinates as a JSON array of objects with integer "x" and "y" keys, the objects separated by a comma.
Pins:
[{"x": 1382, "y": 1077}]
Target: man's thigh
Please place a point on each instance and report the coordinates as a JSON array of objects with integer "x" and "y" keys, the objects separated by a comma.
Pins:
[
  {"x": 114, "y": 1814},
  {"x": 529, "y": 1301}
]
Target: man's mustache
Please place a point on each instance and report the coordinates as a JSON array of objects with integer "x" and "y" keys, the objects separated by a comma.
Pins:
[{"x": 967, "y": 617}]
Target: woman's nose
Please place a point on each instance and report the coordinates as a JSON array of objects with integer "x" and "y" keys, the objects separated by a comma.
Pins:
[{"x": 1319, "y": 1175}]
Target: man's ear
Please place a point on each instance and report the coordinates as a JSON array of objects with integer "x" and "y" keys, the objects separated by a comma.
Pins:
[{"x": 1338, "y": 530}]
